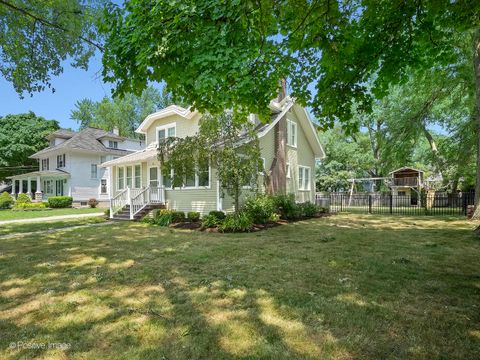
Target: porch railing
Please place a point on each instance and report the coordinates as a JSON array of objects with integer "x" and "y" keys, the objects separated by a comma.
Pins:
[
  {"x": 119, "y": 201},
  {"x": 406, "y": 181},
  {"x": 144, "y": 197}
]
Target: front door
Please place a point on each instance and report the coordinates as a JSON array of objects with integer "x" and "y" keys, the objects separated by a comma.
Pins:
[
  {"x": 153, "y": 177},
  {"x": 59, "y": 187}
]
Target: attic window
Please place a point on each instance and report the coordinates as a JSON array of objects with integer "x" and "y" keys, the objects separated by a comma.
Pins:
[{"x": 113, "y": 144}]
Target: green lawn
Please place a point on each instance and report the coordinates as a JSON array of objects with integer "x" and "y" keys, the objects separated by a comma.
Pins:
[
  {"x": 18, "y": 228},
  {"x": 14, "y": 215},
  {"x": 344, "y": 287}
]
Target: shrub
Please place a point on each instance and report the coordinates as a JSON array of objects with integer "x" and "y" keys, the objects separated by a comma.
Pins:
[
  {"x": 178, "y": 216},
  {"x": 308, "y": 209},
  {"x": 220, "y": 215},
  {"x": 210, "y": 221},
  {"x": 286, "y": 207},
  {"x": 162, "y": 217},
  {"x": 193, "y": 216},
  {"x": 60, "y": 201},
  {"x": 93, "y": 203},
  {"x": 240, "y": 222},
  {"x": 30, "y": 206},
  {"x": 6, "y": 200},
  {"x": 23, "y": 199},
  {"x": 260, "y": 208},
  {"x": 106, "y": 212}
]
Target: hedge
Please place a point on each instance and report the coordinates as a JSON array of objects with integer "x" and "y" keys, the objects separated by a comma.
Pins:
[{"x": 60, "y": 201}]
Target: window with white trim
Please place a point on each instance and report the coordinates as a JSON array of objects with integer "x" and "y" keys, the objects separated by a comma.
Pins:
[
  {"x": 103, "y": 186},
  {"x": 166, "y": 131},
  {"x": 45, "y": 164},
  {"x": 138, "y": 177},
  {"x": 288, "y": 171},
  {"x": 291, "y": 133},
  {"x": 303, "y": 178},
  {"x": 48, "y": 186},
  {"x": 60, "y": 161},
  {"x": 93, "y": 171},
  {"x": 128, "y": 177},
  {"x": 203, "y": 175},
  {"x": 121, "y": 178},
  {"x": 167, "y": 179},
  {"x": 112, "y": 144}
]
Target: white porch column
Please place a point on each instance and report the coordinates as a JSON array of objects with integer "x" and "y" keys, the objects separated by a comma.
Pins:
[
  {"x": 29, "y": 186},
  {"x": 20, "y": 189},
  {"x": 13, "y": 186},
  {"x": 38, "y": 192}
]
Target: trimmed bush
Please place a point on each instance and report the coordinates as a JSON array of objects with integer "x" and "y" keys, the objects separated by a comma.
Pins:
[
  {"x": 178, "y": 216},
  {"x": 210, "y": 221},
  {"x": 60, "y": 201},
  {"x": 286, "y": 207},
  {"x": 193, "y": 216},
  {"x": 308, "y": 209},
  {"x": 30, "y": 206},
  {"x": 93, "y": 203},
  {"x": 240, "y": 222},
  {"x": 260, "y": 208},
  {"x": 23, "y": 199},
  {"x": 106, "y": 212},
  {"x": 6, "y": 200},
  {"x": 220, "y": 215}
]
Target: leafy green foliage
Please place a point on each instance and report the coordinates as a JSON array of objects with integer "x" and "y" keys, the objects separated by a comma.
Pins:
[
  {"x": 30, "y": 206},
  {"x": 22, "y": 198},
  {"x": 308, "y": 209},
  {"x": 125, "y": 113},
  {"x": 178, "y": 216},
  {"x": 193, "y": 216},
  {"x": 6, "y": 200},
  {"x": 236, "y": 222},
  {"x": 36, "y": 37},
  {"x": 227, "y": 143},
  {"x": 210, "y": 221},
  {"x": 162, "y": 217},
  {"x": 286, "y": 206},
  {"x": 219, "y": 215},
  {"x": 260, "y": 208},
  {"x": 21, "y": 136},
  {"x": 60, "y": 201}
]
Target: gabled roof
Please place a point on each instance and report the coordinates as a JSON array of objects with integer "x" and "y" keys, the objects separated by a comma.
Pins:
[
  {"x": 150, "y": 152},
  {"x": 168, "y": 111},
  {"x": 405, "y": 168},
  {"x": 87, "y": 139}
]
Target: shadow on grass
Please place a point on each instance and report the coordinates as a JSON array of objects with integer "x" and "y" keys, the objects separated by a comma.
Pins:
[{"x": 375, "y": 289}]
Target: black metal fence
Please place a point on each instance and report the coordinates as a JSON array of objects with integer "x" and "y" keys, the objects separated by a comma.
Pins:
[{"x": 438, "y": 203}]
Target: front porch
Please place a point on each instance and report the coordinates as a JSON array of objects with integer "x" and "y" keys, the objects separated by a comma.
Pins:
[
  {"x": 133, "y": 204},
  {"x": 39, "y": 185}
]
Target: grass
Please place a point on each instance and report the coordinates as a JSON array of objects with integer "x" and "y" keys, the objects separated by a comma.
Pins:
[
  {"x": 343, "y": 287},
  {"x": 15, "y": 215},
  {"x": 17, "y": 228}
]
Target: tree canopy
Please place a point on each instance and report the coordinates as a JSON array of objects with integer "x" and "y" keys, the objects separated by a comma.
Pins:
[
  {"x": 125, "y": 113},
  {"x": 22, "y": 135},
  {"x": 37, "y": 36}
]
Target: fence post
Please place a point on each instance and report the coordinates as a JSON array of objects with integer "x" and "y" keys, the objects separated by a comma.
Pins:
[
  {"x": 369, "y": 203},
  {"x": 464, "y": 203},
  {"x": 391, "y": 203}
]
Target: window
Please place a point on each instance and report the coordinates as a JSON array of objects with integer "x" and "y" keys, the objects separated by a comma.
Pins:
[
  {"x": 190, "y": 180},
  {"x": 103, "y": 186},
  {"x": 60, "y": 161},
  {"x": 129, "y": 176},
  {"x": 113, "y": 144},
  {"x": 153, "y": 172},
  {"x": 167, "y": 180},
  {"x": 93, "y": 171},
  {"x": 48, "y": 186},
  {"x": 166, "y": 131},
  {"x": 291, "y": 133},
  {"x": 45, "y": 164},
  {"x": 203, "y": 175},
  {"x": 121, "y": 178},
  {"x": 103, "y": 159},
  {"x": 138, "y": 177},
  {"x": 303, "y": 178},
  {"x": 288, "y": 171}
]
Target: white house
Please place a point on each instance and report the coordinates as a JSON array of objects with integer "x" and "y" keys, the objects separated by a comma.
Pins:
[{"x": 70, "y": 165}]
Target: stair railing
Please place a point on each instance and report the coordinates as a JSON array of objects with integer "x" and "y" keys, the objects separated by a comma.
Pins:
[
  {"x": 118, "y": 202},
  {"x": 139, "y": 201}
]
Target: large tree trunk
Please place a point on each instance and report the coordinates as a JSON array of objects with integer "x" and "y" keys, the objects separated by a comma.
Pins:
[{"x": 476, "y": 62}]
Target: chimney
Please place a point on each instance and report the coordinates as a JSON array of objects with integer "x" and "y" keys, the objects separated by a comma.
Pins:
[
  {"x": 282, "y": 91},
  {"x": 116, "y": 131}
]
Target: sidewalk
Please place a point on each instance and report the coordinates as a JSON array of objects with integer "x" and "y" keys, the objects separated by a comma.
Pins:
[{"x": 51, "y": 218}]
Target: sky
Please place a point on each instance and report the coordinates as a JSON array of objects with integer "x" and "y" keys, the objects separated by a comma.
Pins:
[{"x": 70, "y": 87}]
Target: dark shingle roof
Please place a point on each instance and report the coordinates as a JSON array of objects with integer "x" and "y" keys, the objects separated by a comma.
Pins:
[
  {"x": 62, "y": 133},
  {"x": 86, "y": 139}
]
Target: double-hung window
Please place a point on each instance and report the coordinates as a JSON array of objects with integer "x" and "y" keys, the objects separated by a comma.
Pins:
[
  {"x": 291, "y": 133},
  {"x": 303, "y": 178},
  {"x": 113, "y": 144},
  {"x": 45, "y": 164},
  {"x": 128, "y": 178},
  {"x": 138, "y": 176},
  {"x": 60, "y": 161},
  {"x": 121, "y": 178},
  {"x": 93, "y": 171},
  {"x": 103, "y": 186},
  {"x": 166, "y": 131}
]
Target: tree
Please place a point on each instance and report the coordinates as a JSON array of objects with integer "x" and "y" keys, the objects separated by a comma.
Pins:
[
  {"x": 232, "y": 54},
  {"x": 125, "y": 113},
  {"x": 37, "y": 36},
  {"x": 21, "y": 136},
  {"x": 228, "y": 144}
]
